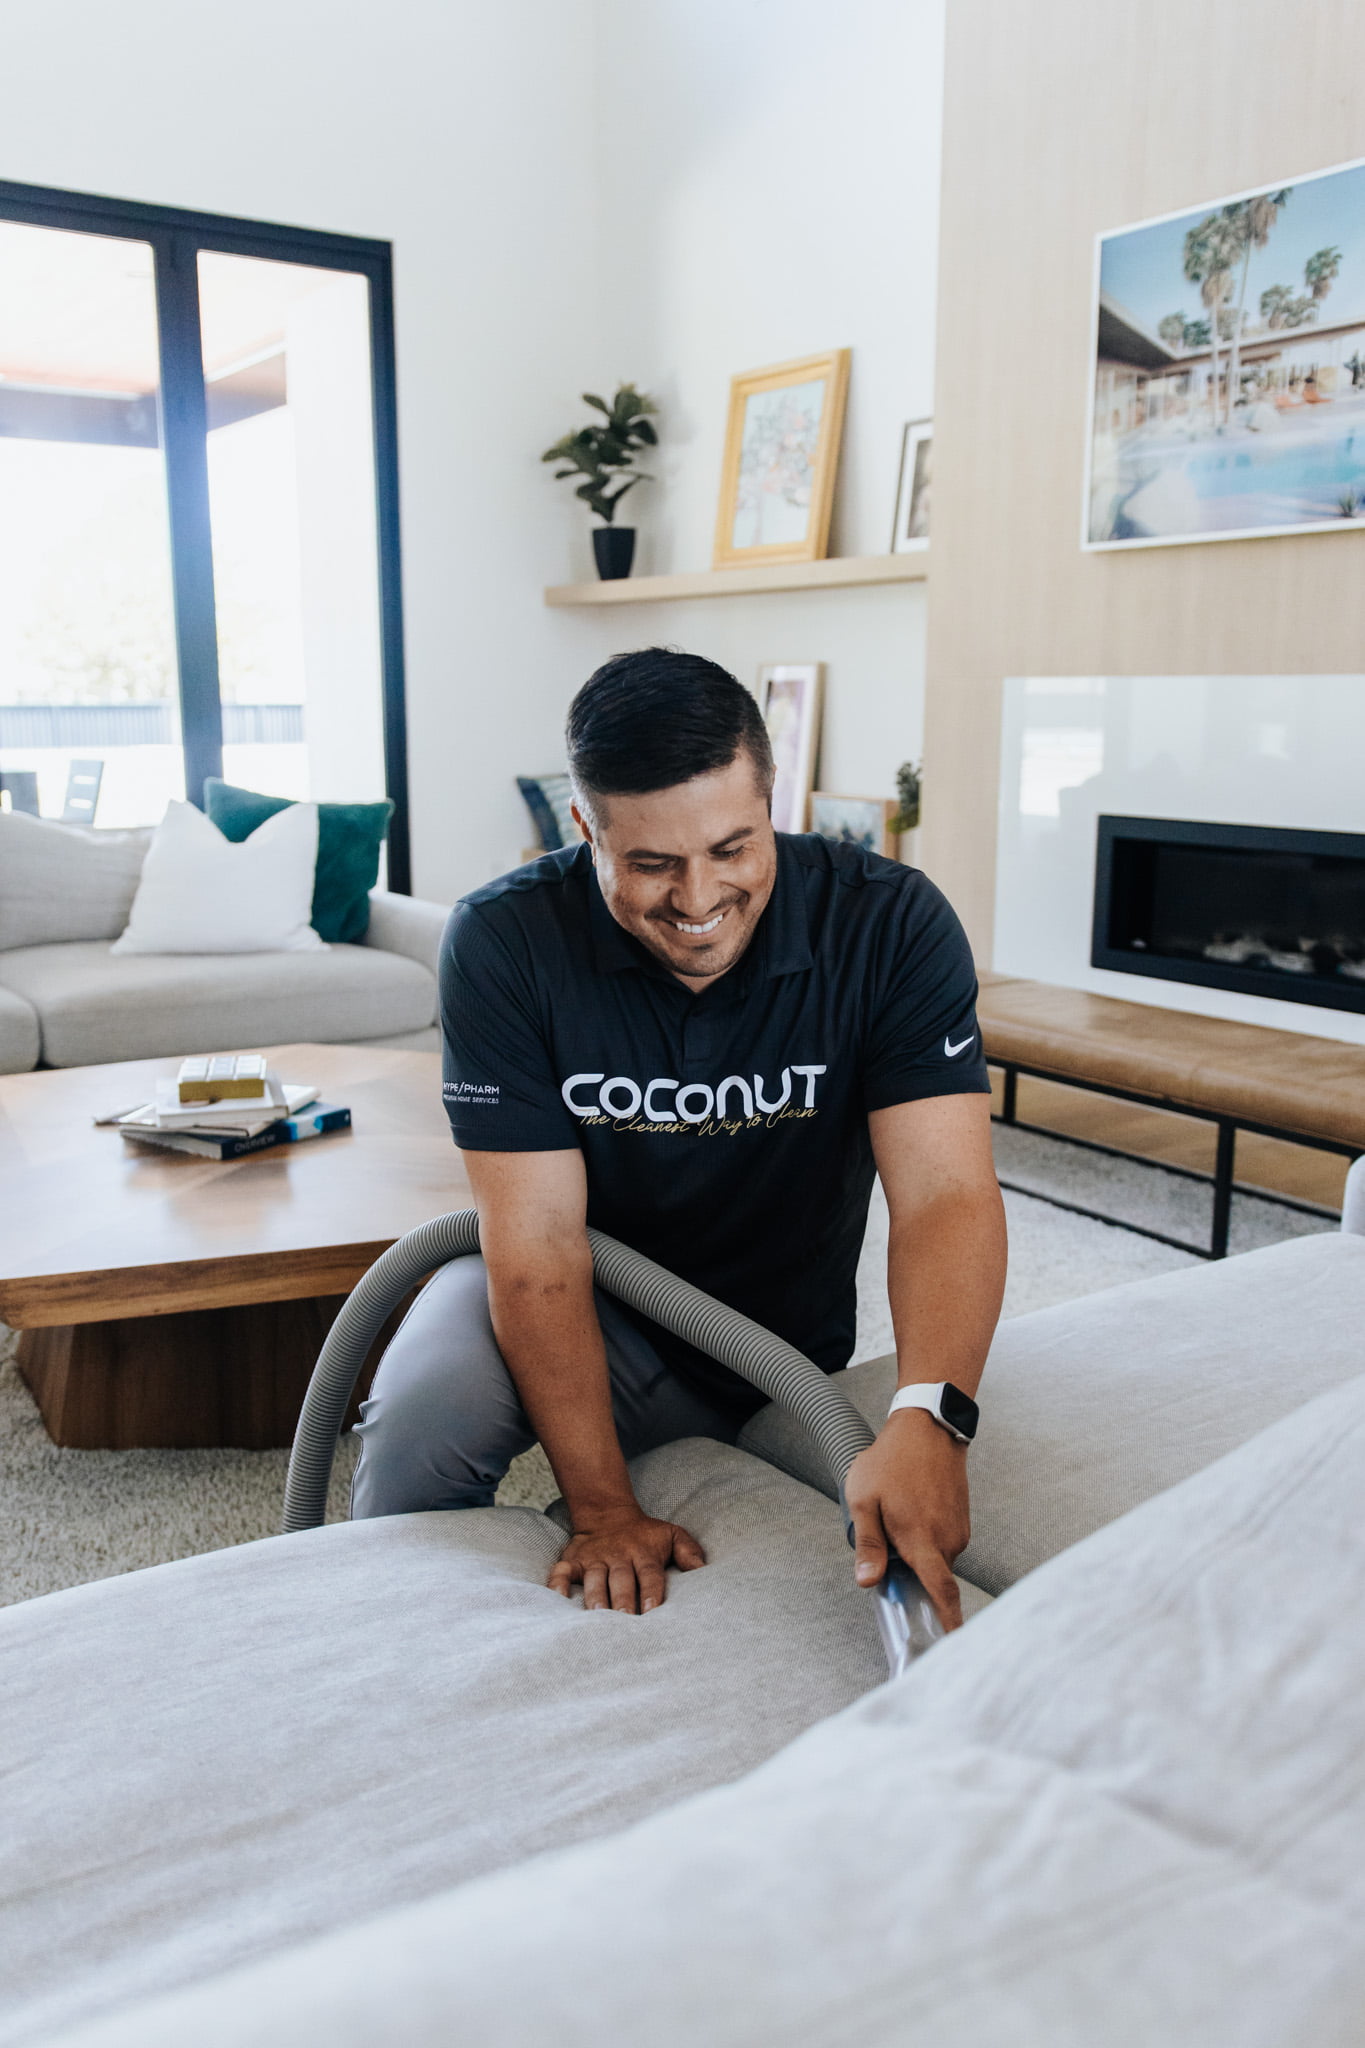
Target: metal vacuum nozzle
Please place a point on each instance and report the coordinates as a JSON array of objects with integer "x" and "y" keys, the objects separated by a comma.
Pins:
[{"x": 905, "y": 1617}]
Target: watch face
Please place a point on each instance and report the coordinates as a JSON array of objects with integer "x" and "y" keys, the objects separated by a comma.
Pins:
[{"x": 958, "y": 1410}]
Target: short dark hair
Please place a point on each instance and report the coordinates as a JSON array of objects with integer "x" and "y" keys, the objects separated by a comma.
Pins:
[{"x": 657, "y": 717}]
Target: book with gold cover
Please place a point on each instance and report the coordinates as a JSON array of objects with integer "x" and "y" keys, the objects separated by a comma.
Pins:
[{"x": 222, "y": 1077}]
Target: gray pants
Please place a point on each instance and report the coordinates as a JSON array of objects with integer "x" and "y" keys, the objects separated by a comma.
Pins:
[{"x": 444, "y": 1421}]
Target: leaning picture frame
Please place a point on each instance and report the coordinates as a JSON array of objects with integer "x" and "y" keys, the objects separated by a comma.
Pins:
[
  {"x": 863, "y": 821},
  {"x": 914, "y": 484},
  {"x": 781, "y": 454},
  {"x": 789, "y": 696}
]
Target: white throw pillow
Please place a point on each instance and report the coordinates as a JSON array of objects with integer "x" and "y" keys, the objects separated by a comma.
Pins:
[
  {"x": 200, "y": 893},
  {"x": 62, "y": 882}
]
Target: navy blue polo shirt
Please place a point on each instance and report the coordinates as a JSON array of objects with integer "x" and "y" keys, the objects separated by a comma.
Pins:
[{"x": 724, "y": 1131}]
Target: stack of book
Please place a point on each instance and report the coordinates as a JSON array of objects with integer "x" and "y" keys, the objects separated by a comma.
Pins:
[{"x": 225, "y": 1107}]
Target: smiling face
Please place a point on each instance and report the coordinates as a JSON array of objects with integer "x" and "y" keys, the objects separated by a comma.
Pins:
[{"x": 688, "y": 870}]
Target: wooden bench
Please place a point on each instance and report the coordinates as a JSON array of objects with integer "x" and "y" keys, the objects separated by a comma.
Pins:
[{"x": 1239, "y": 1077}]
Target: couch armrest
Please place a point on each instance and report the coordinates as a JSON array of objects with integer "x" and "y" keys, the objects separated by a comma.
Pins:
[
  {"x": 1353, "y": 1205},
  {"x": 407, "y": 925}
]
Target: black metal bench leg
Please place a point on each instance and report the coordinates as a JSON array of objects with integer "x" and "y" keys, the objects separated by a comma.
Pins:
[
  {"x": 1223, "y": 1169},
  {"x": 1008, "y": 1107}
]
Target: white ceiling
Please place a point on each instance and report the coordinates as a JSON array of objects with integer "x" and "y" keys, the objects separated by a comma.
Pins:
[{"x": 79, "y": 311}]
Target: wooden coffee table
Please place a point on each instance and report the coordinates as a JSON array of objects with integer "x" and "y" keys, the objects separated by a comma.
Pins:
[{"x": 175, "y": 1301}]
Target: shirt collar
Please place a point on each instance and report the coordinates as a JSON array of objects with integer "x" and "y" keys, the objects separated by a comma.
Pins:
[
  {"x": 784, "y": 928},
  {"x": 781, "y": 945}
]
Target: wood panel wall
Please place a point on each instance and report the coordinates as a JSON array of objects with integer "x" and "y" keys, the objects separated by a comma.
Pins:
[{"x": 1062, "y": 118}]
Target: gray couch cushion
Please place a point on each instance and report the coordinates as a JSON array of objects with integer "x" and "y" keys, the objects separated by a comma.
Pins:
[
  {"x": 409, "y": 925},
  {"x": 18, "y": 1034},
  {"x": 206, "y": 1760},
  {"x": 1124, "y": 1807},
  {"x": 1095, "y": 1405},
  {"x": 1353, "y": 1200},
  {"x": 407, "y": 1041},
  {"x": 65, "y": 881},
  {"x": 95, "y": 1006}
]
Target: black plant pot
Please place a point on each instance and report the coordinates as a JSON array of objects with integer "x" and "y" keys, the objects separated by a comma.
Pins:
[{"x": 614, "y": 550}]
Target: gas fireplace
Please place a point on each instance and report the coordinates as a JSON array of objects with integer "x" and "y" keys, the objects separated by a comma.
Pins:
[{"x": 1247, "y": 907}]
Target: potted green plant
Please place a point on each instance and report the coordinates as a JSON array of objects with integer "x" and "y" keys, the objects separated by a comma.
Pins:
[
  {"x": 603, "y": 452},
  {"x": 909, "y": 788}
]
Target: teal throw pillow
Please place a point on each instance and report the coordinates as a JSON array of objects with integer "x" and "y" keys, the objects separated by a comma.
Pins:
[
  {"x": 548, "y": 798},
  {"x": 349, "y": 839}
]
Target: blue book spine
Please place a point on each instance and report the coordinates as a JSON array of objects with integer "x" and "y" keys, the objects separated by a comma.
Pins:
[{"x": 314, "y": 1122}]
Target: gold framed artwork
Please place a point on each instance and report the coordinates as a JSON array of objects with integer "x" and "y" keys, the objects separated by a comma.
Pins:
[
  {"x": 789, "y": 695},
  {"x": 855, "y": 821},
  {"x": 781, "y": 453}
]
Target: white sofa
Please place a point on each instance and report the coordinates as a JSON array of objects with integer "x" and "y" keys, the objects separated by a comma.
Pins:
[
  {"x": 302, "y": 1792},
  {"x": 66, "y": 1000}
]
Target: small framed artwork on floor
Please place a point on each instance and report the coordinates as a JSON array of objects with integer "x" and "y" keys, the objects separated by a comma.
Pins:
[
  {"x": 910, "y": 531},
  {"x": 789, "y": 696},
  {"x": 855, "y": 821},
  {"x": 781, "y": 453}
]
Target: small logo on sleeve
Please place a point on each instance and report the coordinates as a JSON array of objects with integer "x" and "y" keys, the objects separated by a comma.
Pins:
[
  {"x": 472, "y": 1094},
  {"x": 951, "y": 1051}
]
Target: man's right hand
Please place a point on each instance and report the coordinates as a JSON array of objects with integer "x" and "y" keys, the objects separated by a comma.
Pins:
[
  {"x": 620, "y": 1556},
  {"x": 533, "y": 1209}
]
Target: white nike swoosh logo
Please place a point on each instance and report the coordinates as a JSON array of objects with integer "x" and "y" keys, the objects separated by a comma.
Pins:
[{"x": 953, "y": 1050}]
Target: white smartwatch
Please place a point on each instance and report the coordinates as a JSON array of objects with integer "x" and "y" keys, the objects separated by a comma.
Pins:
[{"x": 950, "y": 1407}]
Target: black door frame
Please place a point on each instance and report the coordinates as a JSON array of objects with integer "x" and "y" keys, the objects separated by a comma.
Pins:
[{"x": 176, "y": 237}]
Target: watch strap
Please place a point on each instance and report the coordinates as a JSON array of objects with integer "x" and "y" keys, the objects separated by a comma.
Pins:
[{"x": 929, "y": 1395}]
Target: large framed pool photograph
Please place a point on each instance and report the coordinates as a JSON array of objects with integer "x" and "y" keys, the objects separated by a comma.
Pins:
[{"x": 1228, "y": 376}]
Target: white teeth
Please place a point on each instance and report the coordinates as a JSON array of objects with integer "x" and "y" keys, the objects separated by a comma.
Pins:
[{"x": 698, "y": 929}]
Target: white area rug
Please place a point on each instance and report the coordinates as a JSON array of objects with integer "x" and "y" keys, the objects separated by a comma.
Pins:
[{"x": 69, "y": 1516}]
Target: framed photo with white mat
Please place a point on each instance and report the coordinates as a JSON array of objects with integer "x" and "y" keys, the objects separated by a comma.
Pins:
[
  {"x": 863, "y": 821},
  {"x": 910, "y": 528},
  {"x": 790, "y": 695}
]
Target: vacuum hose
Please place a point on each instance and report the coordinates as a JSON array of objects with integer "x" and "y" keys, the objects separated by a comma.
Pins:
[{"x": 776, "y": 1368}]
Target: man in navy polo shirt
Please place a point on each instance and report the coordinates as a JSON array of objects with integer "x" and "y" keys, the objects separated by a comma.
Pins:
[{"x": 703, "y": 1038}]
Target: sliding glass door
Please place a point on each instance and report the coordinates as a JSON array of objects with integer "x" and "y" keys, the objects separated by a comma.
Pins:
[
  {"x": 87, "y": 628},
  {"x": 198, "y": 513},
  {"x": 287, "y": 378}
]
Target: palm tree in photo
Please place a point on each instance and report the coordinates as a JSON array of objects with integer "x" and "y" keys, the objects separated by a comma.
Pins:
[
  {"x": 1277, "y": 301},
  {"x": 1172, "y": 330},
  {"x": 1282, "y": 307},
  {"x": 1211, "y": 251},
  {"x": 1319, "y": 272},
  {"x": 1258, "y": 217}
]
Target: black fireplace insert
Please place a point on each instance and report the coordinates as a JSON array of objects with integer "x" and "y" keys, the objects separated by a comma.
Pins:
[{"x": 1247, "y": 907}]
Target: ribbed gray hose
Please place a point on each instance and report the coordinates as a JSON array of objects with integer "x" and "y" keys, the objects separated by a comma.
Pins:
[{"x": 780, "y": 1371}]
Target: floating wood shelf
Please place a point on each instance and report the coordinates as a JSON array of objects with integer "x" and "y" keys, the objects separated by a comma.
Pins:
[{"x": 839, "y": 573}]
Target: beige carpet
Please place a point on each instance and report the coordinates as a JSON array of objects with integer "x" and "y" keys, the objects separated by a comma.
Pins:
[{"x": 69, "y": 1516}]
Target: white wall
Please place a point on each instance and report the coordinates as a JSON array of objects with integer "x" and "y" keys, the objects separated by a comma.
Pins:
[
  {"x": 759, "y": 181},
  {"x": 456, "y": 130},
  {"x": 1230, "y": 750},
  {"x": 768, "y": 187}
]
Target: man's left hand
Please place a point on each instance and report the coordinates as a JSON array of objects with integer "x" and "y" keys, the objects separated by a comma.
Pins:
[{"x": 909, "y": 1488}]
